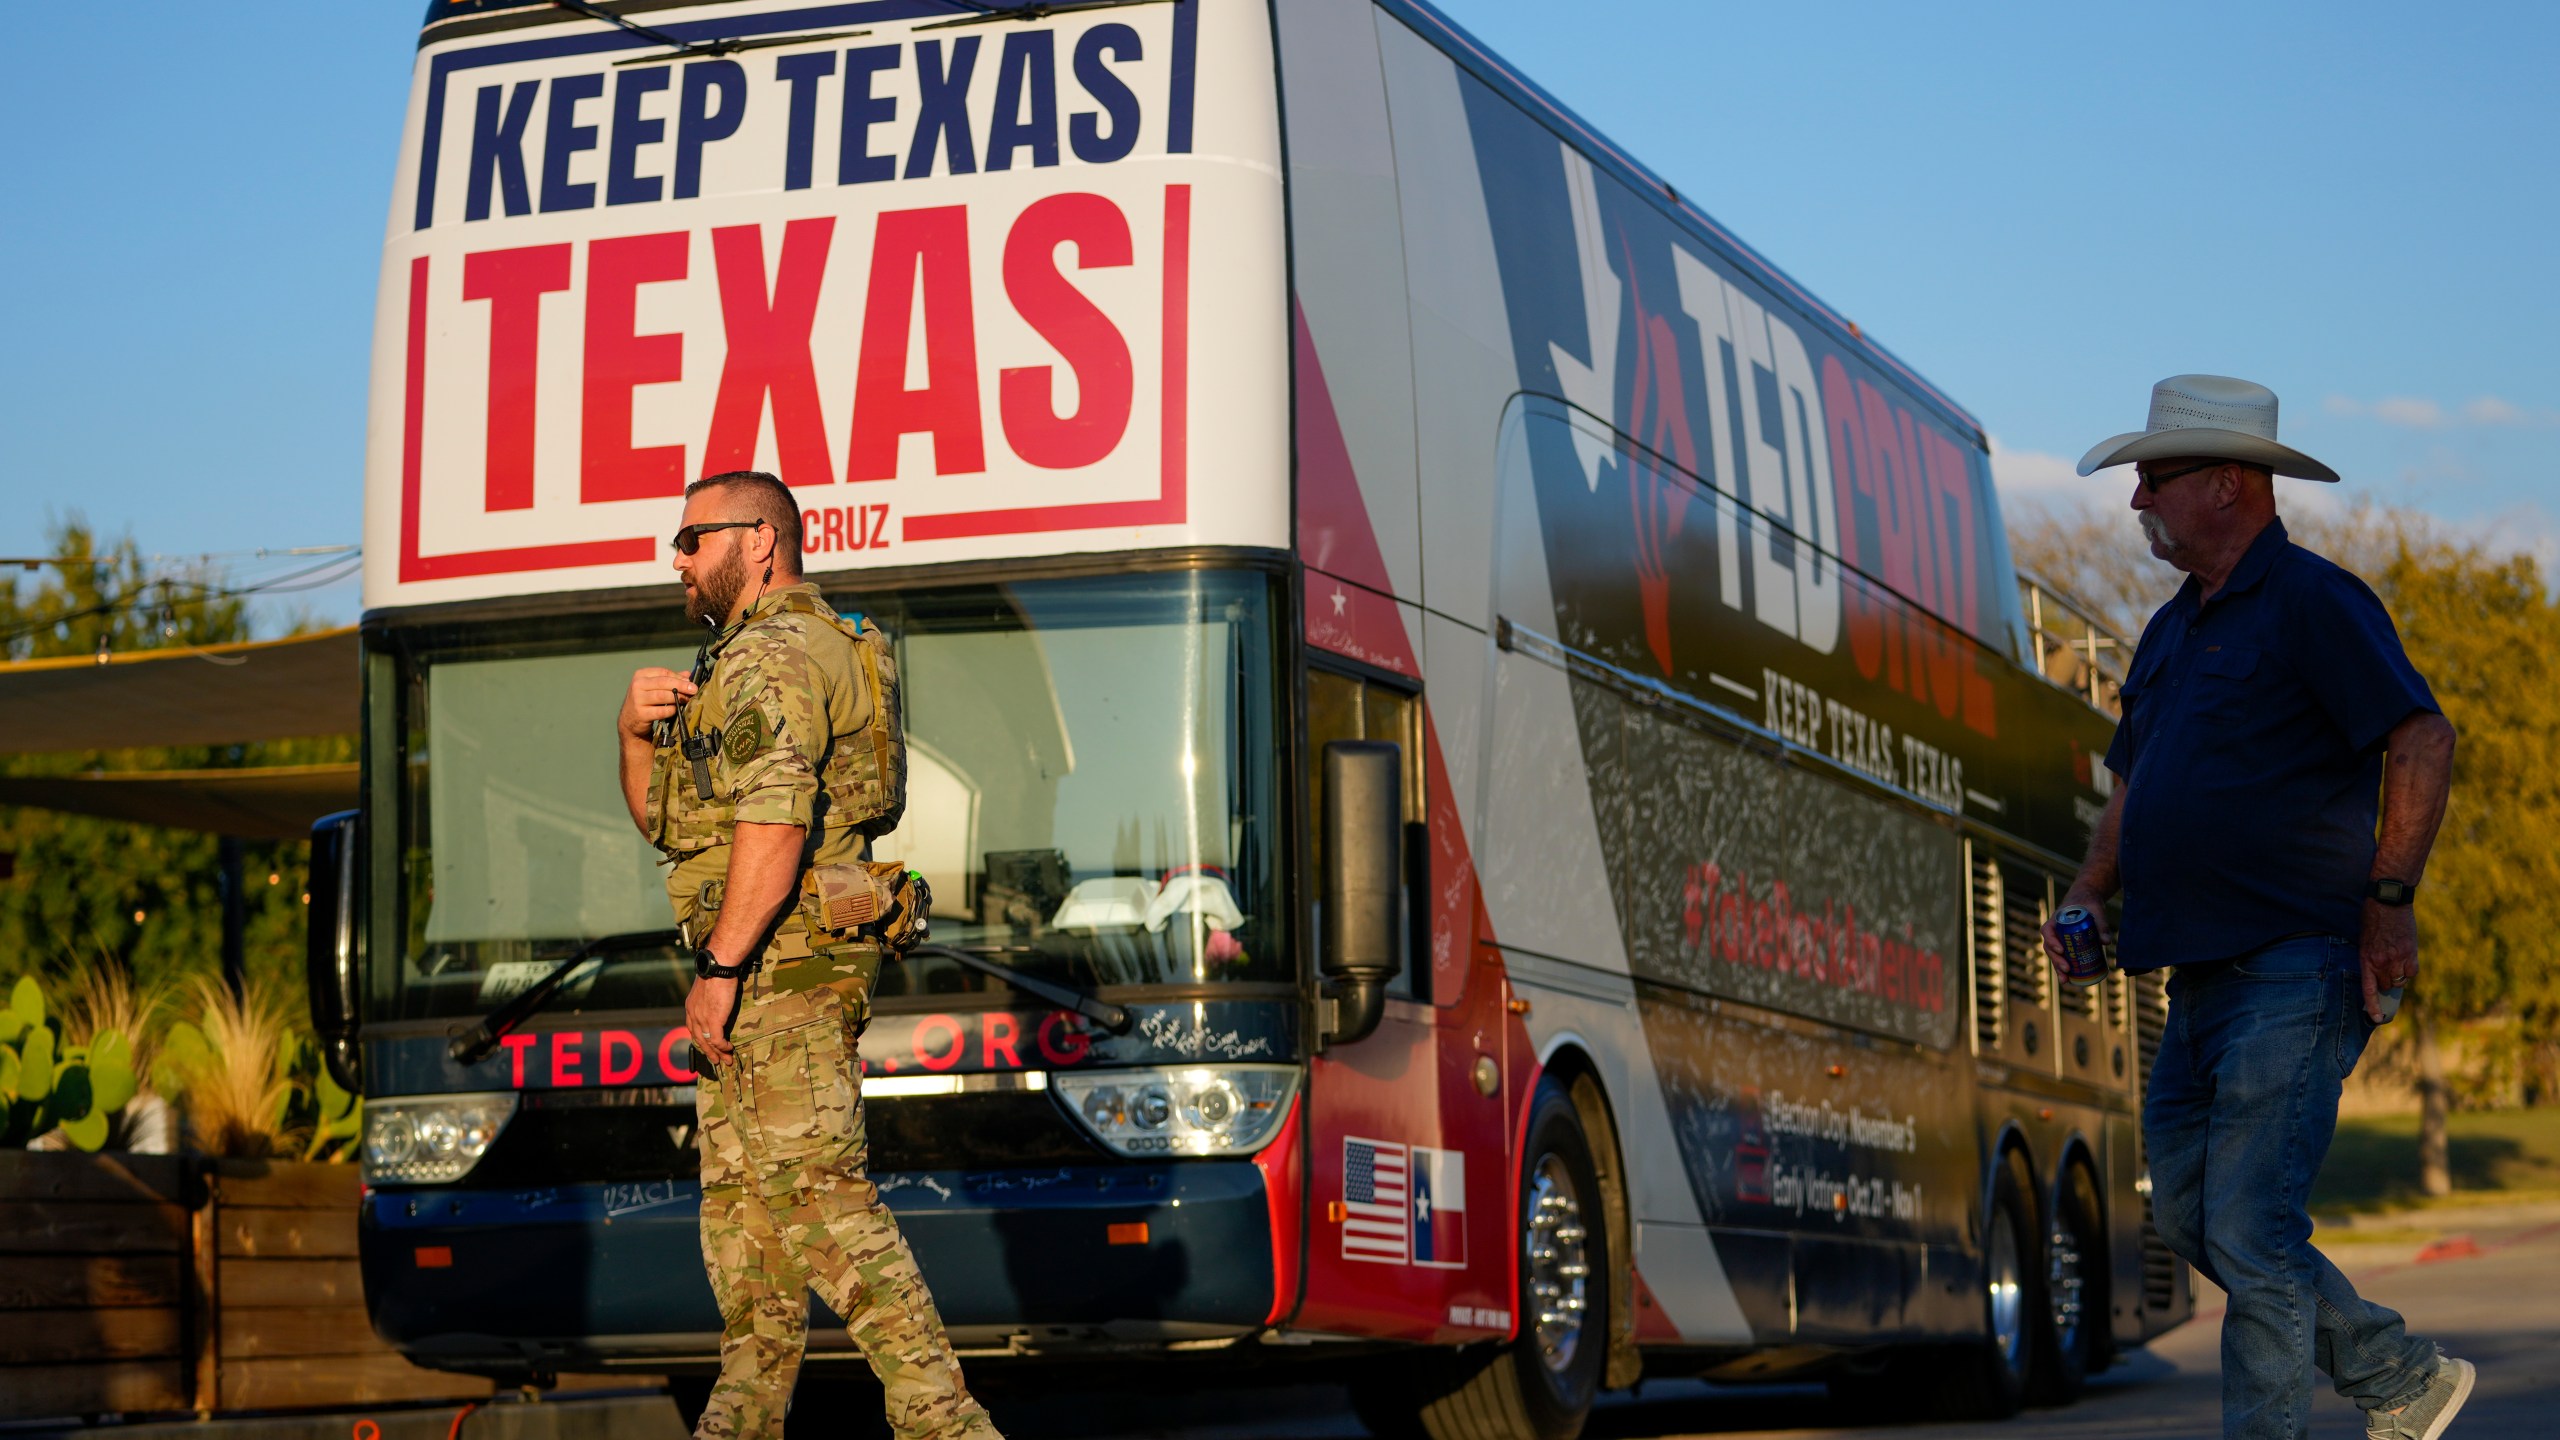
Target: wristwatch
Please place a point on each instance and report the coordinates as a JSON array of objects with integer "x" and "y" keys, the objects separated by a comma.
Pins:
[
  {"x": 2390, "y": 892},
  {"x": 708, "y": 967}
]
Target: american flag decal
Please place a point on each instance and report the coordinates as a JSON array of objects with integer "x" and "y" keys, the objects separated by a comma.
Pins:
[{"x": 1377, "y": 1215}]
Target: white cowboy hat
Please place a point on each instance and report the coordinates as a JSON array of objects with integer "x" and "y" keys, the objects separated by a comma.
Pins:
[{"x": 2211, "y": 417}]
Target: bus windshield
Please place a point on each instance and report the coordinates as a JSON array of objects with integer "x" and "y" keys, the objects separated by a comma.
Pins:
[{"x": 1091, "y": 796}]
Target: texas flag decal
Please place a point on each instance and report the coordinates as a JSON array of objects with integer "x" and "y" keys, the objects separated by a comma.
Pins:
[{"x": 1439, "y": 1208}]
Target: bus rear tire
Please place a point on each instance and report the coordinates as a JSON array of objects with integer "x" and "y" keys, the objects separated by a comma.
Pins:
[
  {"x": 1540, "y": 1385},
  {"x": 2074, "y": 1336},
  {"x": 1990, "y": 1380}
]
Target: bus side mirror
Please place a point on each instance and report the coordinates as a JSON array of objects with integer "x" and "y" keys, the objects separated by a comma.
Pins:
[
  {"x": 1363, "y": 855},
  {"x": 333, "y": 942}
]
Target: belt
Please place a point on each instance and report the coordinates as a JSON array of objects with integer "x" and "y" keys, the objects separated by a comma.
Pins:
[{"x": 2216, "y": 967}]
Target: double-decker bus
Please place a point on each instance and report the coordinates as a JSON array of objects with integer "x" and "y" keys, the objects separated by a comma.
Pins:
[{"x": 1487, "y": 784}]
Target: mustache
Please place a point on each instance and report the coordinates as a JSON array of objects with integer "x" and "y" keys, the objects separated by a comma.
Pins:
[{"x": 2154, "y": 529}]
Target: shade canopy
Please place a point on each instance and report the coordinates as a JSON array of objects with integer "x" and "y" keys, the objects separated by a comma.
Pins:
[
  {"x": 275, "y": 802},
  {"x": 199, "y": 695}
]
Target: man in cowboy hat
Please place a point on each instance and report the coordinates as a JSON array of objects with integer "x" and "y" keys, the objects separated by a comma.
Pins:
[{"x": 2267, "y": 707}]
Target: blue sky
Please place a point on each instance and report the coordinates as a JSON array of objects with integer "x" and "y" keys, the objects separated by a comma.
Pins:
[
  {"x": 2044, "y": 208},
  {"x": 196, "y": 204}
]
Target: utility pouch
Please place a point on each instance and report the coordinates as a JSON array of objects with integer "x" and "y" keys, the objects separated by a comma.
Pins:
[
  {"x": 802, "y": 971},
  {"x": 878, "y": 902}
]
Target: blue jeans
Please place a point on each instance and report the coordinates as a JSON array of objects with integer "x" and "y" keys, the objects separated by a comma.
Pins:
[{"x": 2242, "y": 1104}]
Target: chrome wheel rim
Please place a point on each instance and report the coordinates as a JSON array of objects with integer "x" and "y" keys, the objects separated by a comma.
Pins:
[
  {"x": 2003, "y": 1284},
  {"x": 2067, "y": 1285},
  {"x": 1559, "y": 1265}
]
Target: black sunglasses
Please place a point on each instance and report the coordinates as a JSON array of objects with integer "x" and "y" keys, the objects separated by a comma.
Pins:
[
  {"x": 688, "y": 540},
  {"x": 2151, "y": 483}
]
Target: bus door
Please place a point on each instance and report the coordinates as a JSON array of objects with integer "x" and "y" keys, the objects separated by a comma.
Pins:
[{"x": 1409, "y": 1216}]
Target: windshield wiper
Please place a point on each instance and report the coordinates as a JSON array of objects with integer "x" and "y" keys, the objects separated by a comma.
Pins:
[
  {"x": 1066, "y": 997},
  {"x": 681, "y": 49},
  {"x": 470, "y": 1047},
  {"x": 999, "y": 14}
]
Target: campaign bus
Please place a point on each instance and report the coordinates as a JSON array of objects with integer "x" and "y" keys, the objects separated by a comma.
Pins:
[{"x": 1487, "y": 778}]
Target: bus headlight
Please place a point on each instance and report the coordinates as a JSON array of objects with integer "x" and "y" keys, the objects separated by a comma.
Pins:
[
  {"x": 1179, "y": 1109},
  {"x": 430, "y": 1139}
]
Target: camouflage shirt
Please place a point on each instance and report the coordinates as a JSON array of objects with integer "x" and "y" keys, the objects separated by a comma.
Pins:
[{"x": 789, "y": 731}]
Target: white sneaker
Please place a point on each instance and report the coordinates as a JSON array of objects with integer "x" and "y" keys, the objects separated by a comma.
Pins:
[{"x": 2432, "y": 1412}]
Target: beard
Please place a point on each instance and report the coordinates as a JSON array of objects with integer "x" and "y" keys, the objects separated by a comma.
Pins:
[
  {"x": 713, "y": 593},
  {"x": 2156, "y": 530}
]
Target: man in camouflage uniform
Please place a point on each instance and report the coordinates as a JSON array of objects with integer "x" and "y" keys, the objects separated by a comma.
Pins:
[{"x": 785, "y": 754}]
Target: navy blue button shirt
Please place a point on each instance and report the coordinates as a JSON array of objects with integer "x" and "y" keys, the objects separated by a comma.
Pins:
[{"x": 2252, "y": 741}]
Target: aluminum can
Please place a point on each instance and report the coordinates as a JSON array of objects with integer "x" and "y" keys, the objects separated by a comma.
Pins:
[{"x": 2084, "y": 955}]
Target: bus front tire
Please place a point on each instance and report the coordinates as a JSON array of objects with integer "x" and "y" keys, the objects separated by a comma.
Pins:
[
  {"x": 1541, "y": 1384},
  {"x": 1992, "y": 1377}
]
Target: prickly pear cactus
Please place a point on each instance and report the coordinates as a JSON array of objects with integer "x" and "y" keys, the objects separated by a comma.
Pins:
[
  {"x": 26, "y": 1063},
  {"x": 46, "y": 1086},
  {"x": 111, "y": 1072},
  {"x": 92, "y": 1084},
  {"x": 340, "y": 1118},
  {"x": 25, "y": 1009}
]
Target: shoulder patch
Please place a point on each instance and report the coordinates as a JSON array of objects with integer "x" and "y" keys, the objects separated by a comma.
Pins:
[{"x": 746, "y": 736}]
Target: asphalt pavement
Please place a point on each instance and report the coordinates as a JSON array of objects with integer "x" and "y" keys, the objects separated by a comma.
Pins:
[{"x": 2484, "y": 1282}]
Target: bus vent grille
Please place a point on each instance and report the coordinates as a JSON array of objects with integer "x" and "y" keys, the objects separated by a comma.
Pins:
[
  {"x": 1984, "y": 940},
  {"x": 2022, "y": 914},
  {"x": 2080, "y": 1000},
  {"x": 2115, "y": 988},
  {"x": 2159, "y": 1267}
]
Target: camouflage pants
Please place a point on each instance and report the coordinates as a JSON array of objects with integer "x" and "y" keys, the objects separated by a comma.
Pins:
[{"x": 786, "y": 1208}]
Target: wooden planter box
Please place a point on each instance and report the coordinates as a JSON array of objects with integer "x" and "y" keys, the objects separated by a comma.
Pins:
[
  {"x": 140, "y": 1283},
  {"x": 97, "y": 1284}
]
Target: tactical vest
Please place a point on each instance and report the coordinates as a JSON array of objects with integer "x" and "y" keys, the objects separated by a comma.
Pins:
[
  {"x": 805, "y": 975},
  {"x": 862, "y": 781}
]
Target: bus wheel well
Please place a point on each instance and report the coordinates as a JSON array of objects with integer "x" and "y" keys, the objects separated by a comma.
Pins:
[
  {"x": 1574, "y": 1069},
  {"x": 2013, "y": 1150},
  {"x": 2076, "y": 1156}
]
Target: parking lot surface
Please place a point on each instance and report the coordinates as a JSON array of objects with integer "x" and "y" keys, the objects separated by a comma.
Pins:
[{"x": 2483, "y": 1283}]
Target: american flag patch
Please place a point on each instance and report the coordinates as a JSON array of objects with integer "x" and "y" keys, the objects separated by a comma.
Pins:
[{"x": 1377, "y": 1215}]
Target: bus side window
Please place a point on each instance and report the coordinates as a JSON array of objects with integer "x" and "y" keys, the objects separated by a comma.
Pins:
[{"x": 1347, "y": 707}]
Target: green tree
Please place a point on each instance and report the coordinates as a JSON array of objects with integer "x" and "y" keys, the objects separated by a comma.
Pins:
[
  {"x": 78, "y": 892},
  {"x": 2485, "y": 634}
]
